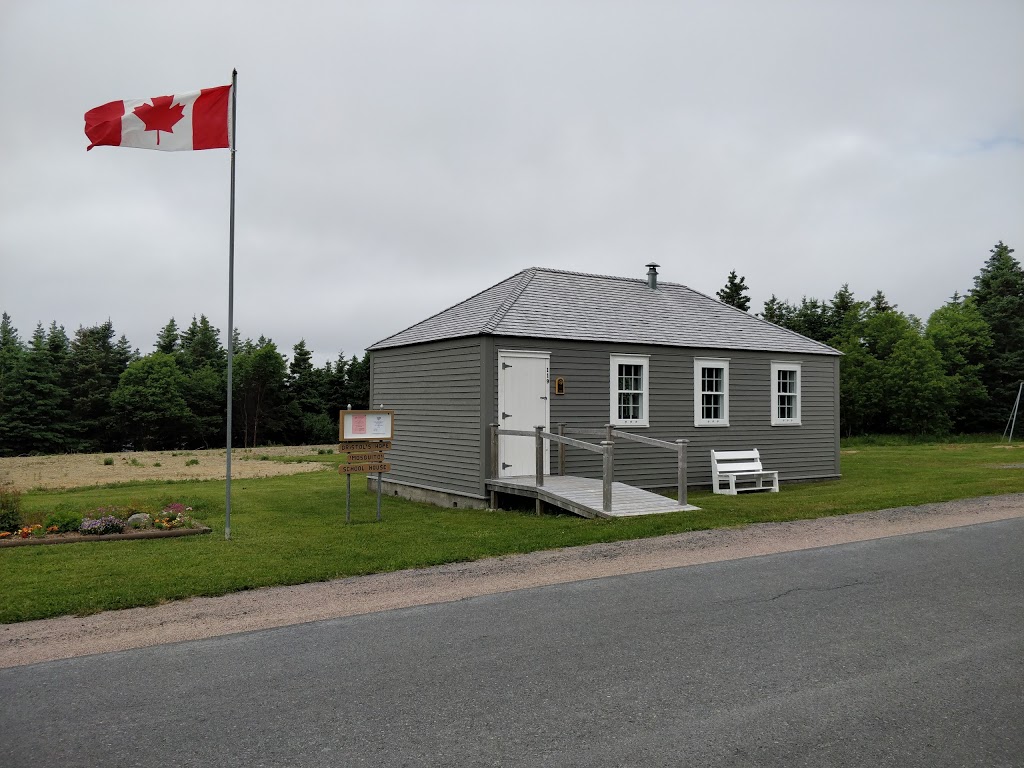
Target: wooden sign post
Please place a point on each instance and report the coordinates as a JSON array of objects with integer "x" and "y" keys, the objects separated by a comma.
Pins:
[{"x": 364, "y": 436}]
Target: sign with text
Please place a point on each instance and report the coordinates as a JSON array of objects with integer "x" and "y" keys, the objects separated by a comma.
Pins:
[
  {"x": 367, "y": 425},
  {"x": 370, "y": 445},
  {"x": 363, "y": 469},
  {"x": 364, "y": 458}
]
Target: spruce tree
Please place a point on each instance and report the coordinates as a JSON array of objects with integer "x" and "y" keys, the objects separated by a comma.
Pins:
[
  {"x": 10, "y": 345},
  {"x": 778, "y": 311},
  {"x": 844, "y": 316},
  {"x": 999, "y": 295},
  {"x": 307, "y": 388},
  {"x": 204, "y": 362},
  {"x": 879, "y": 304},
  {"x": 95, "y": 364},
  {"x": 31, "y": 421},
  {"x": 734, "y": 292},
  {"x": 358, "y": 381},
  {"x": 168, "y": 341}
]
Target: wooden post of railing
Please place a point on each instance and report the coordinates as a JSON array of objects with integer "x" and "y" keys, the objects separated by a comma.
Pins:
[
  {"x": 494, "y": 463},
  {"x": 609, "y": 474},
  {"x": 681, "y": 445},
  {"x": 608, "y": 432},
  {"x": 540, "y": 457},
  {"x": 561, "y": 451},
  {"x": 540, "y": 467}
]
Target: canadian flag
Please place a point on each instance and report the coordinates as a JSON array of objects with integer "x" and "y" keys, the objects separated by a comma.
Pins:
[{"x": 184, "y": 121}]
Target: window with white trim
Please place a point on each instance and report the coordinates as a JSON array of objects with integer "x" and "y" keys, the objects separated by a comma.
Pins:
[
  {"x": 710, "y": 392},
  {"x": 629, "y": 393},
  {"x": 785, "y": 394}
]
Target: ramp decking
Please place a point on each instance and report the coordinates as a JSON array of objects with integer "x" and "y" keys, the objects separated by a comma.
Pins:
[{"x": 584, "y": 496}]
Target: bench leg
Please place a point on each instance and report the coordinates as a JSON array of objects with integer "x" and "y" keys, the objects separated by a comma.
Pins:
[{"x": 732, "y": 485}]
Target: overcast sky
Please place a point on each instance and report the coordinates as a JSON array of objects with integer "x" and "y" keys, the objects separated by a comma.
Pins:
[{"x": 395, "y": 158}]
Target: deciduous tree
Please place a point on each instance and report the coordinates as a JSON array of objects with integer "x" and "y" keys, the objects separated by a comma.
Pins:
[
  {"x": 963, "y": 339},
  {"x": 149, "y": 403}
]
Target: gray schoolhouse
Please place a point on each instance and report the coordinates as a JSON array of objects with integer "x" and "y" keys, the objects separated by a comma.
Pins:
[{"x": 548, "y": 347}]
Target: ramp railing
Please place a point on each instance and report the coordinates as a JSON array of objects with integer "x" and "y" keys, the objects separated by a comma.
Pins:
[{"x": 606, "y": 447}]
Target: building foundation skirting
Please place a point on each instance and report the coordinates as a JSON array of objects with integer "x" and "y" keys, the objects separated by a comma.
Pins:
[{"x": 435, "y": 496}]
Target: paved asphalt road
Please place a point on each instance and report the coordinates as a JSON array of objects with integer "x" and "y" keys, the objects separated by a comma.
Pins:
[{"x": 906, "y": 651}]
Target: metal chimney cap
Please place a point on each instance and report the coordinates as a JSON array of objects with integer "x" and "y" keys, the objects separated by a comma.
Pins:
[{"x": 652, "y": 275}]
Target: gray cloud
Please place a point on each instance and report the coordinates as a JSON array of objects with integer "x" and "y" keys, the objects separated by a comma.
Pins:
[{"x": 394, "y": 158}]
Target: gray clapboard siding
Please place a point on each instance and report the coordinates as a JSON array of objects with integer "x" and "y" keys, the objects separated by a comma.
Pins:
[
  {"x": 807, "y": 451},
  {"x": 440, "y": 376},
  {"x": 435, "y": 391}
]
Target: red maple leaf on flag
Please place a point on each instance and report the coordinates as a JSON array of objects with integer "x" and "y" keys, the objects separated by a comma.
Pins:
[{"x": 161, "y": 115}]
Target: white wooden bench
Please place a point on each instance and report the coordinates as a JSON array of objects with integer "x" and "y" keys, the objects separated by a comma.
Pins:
[{"x": 742, "y": 466}]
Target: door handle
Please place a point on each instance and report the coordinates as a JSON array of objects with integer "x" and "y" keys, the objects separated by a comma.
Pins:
[
  {"x": 504, "y": 465},
  {"x": 505, "y": 415}
]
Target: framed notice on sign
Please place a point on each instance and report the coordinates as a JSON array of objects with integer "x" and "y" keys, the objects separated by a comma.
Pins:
[{"x": 367, "y": 425}]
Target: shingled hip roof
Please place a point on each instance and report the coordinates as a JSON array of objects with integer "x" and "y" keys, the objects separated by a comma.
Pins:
[{"x": 554, "y": 304}]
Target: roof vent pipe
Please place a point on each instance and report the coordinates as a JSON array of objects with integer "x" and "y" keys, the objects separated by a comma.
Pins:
[{"x": 652, "y": 275}]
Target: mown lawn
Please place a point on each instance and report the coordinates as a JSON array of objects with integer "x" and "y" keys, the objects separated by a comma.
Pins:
[{"x": 291, "y": 530}]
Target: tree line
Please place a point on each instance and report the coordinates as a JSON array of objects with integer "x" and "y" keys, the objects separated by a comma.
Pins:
[
  {"x": 90, "y": 392},
  {"x": 959, "y": 371},
  {"x": 956, "y": 372}
]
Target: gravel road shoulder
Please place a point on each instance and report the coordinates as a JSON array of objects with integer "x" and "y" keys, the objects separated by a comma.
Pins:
[{"x": 69, "y": 636}]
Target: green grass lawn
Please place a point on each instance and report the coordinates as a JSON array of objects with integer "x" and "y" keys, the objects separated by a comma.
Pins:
[{"x": 291, "y": 530}]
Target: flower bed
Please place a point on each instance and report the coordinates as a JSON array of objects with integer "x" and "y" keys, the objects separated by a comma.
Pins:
[
  {"x": 106, "y": 524},
  {"x": 73, "y": 538}
]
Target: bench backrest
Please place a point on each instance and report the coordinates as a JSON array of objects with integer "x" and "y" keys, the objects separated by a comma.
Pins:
[{"x": 736, "y": 461}]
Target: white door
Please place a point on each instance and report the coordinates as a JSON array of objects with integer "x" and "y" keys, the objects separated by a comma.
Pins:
[{"x": 522, "y": 404}]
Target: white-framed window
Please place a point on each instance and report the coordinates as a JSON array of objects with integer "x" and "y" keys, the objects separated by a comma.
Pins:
[
  {"x": 785, "y": 394},
  {"x": 629, "y": 390},
  {"x": 710, "y": 392}
]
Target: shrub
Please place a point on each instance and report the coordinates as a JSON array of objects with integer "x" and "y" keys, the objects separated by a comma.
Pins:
[
  {"x": 156, "y": 464},
  {"x": 65, "y": 521},
  {"x": 102, "y": 525},
  {"x": 108, "y": 462},
  {"x": 10, "y": 508},
  {"x": 191, "y": 462}
]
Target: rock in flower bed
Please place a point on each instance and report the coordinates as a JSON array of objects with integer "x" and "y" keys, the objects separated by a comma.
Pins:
[{"x": 107, "y": 523}]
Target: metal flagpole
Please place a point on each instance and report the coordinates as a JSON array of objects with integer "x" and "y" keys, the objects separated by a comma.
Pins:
[{"x": 231, "y": 302}]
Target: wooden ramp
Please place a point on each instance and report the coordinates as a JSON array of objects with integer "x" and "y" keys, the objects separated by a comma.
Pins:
[{"x": 584, "y": 496}]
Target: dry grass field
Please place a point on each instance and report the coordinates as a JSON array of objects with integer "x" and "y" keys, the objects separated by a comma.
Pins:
[{"x": 84, "y": 469}]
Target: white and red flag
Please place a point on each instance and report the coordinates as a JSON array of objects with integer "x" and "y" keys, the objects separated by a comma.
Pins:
[{"x": 184, "y": 121}]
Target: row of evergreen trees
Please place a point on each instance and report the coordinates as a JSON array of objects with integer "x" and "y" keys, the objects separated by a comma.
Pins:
[
  {"x": 92, "y": 393},
  {"x": 957, "y": 372}
]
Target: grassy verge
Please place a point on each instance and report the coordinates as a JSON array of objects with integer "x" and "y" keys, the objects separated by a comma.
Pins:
[{"x": 290, "y": 530}]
